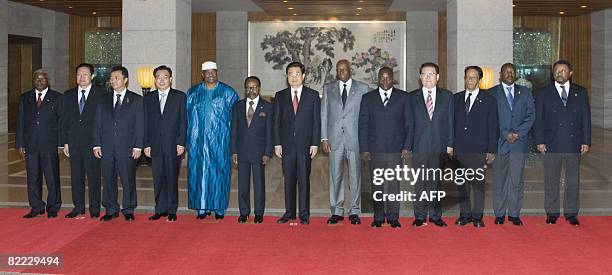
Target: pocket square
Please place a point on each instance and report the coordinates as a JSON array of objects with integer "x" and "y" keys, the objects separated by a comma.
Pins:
[{"x": 263, "y": 114}]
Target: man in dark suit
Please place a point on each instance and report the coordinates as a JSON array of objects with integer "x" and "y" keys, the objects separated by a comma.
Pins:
[
  {"x": 475, "y": 143},
  {"x": 384, "y": 122},
  {"x": 38, "y": 140},
  {"x": 516, "y": 113},
  {"x": 430, "y": 139},
  {"x": 118, "y": 141},
  {"x": 164, "y": 141},
  {"x": 562, "y": 134},
  {"x": 251, "y": 146},
  {"x": 296, "y": 137},
  {"x": 80, "y": 106}
]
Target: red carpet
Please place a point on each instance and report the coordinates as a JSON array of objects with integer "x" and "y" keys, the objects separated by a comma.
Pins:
[{"x": 189, "y": 246}]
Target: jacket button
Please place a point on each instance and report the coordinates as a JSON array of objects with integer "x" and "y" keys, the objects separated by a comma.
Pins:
[
  {"x": 80, "y": 120},
  {"x": 465, "y": 128}
]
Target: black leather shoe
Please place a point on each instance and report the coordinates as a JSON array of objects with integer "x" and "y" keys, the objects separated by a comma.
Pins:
[
  {"x": 109, "y": 217},
  {"x": 354, "y": 219},
  {"x": 171, "y": 217},
  {"x": 334, "y": 219},
  {"x": 395, "y": 224},
  {"x": 33, "y": 214},
  {"x": 462, "y": 221},
  {"x": 202, "y": 216},
  {"x": 52, "y": 215},
  {"x": 500, "y": 220},
  {"x": 478, "y": 223},
  {"x": 219, "y": 217},
  {"x": 439, "y": 222},
  {"x": 551, "y": 220},
  {"x": 573, "y": 220},
  {"x": 129, "y": 217},
  {"x": 242, "y": 219},
  {"x": 73, "y": 214},
  {"x": 515, "y": 220},
  {"x": 94, "y": 215},
  {"x": 157, "y": 216},
  {"x": 418, "y": 222},
  {"x": 376, "y": 224},
  {"x": 304, "y": 221},
  {"x": 258, "y": 219},
  {"x": 284, "y": 219}
]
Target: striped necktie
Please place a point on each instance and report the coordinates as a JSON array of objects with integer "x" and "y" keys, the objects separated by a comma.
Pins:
[{"x": 429, "y": 105}]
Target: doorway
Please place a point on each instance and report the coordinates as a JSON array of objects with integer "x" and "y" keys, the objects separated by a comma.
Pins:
[{"x": 24, "y": 57}]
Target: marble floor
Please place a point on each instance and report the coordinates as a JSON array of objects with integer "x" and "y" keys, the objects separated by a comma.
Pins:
[{"x": 596, "y": 184}]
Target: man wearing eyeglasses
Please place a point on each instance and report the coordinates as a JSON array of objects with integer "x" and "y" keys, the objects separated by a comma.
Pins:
[{"x": 296, "y": 135}]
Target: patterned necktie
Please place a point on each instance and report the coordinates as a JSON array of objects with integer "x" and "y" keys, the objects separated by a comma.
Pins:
[
  {"x": 386, "y": 100},
  {"x": 250, "y": 113},
  {"x": 295, "y": 101},
  {"x": 467, "y": 102},
  {"x": 117, "y": 104},
  {"x": 429, "y": 105},
  {"x": 509, "y": 97},
  {"x": 162, "y": 102},
  {"x": 344, "y": 95},
  {"x": 563, "y": 95},
  {"x": 39, "y": 100},
  {"x": 82, "y": 102}
]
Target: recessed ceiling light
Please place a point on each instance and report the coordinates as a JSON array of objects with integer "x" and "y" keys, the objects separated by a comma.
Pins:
[
  {"x": 513, "y": 5},
  {"x": 295, "y": 14},
  {"x": 583, "y": 6},
  {"x": 285, "y": 1},
  {"x": 289, "y": 8},
  {"x": 357, "y": 14},
  {"x": 70, "y": 7},
  {"x": 359, "y": 8},
  {"x": 561, "y": 12},
  {"x": 94, "y": 13}
]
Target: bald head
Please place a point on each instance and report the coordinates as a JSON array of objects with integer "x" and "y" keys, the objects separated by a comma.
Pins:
[{"x": 40, "y": 79}]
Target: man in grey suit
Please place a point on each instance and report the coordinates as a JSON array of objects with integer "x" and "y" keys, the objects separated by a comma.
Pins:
[
  {"x": 340, "y": 139},
  {"x": 516, "y": 114}
]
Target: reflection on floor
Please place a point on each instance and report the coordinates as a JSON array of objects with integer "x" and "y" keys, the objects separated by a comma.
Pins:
[{"x": 596, "y": 184}]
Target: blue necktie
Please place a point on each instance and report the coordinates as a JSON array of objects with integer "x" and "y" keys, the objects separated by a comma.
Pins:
[
  {"x": 509, "y": 97},
  {"x": 563, "y": 95},
  {"x": 82, "y": 102},
  {"x": 117, "y": 104}
]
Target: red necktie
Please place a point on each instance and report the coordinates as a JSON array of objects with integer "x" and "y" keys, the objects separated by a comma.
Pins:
[
  {"x": 295, "y": 101},
  {"x": 39, "y": 100}
]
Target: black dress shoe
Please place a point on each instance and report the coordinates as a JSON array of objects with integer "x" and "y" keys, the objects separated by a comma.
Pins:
[
  {"x": 304, "y": 221},
  {"x": 242, "y": 219},
  {"x": 418, "y": 222},
  {"x": 354, "y": 219},
  {"x": 462, "y": 221},
  {"x": 109, "y": 217},
  {"x": 258, "y": 219},
  {"x": 94, "y": 215},
  {"x": 478, "y": 223},
  {"x": 284, "y": 219},
  {"x": 334, "y": 219},
  {"x": 129, "y": 217},
  {"x": 395, "y": 224},
  {"x": 573, "y": 220},
  {"x": 515, "y": 220},
  {"x": 376, "y": 224},
  {"x": 551, "y": 220},
  {"x": 500, "y": 220},
  {"x": 439, "y": 222},
  {"x": 33, "y": 214},
  {"x": 73, "y": 214},
  {"x": 202, "y": 216},
  {"x": 157, "y": 216},
  {"x": 219, "y": 217},
  {"x": 52, "y": 215},
  {"x": 171, "y": 217}
]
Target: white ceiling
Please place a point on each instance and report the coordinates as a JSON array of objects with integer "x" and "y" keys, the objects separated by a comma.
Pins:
[{"x": 248, "y": 5}]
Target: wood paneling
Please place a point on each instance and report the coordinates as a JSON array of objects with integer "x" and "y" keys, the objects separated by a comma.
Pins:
[
  {"x": 78, "y": 26},
  {"x": 203, "y": 42},
  {"x": 79, "y": 7},
  {"x": 442, "y": 48},
  {"x": 553, "y": 7},
  {"x": 262, "y": 16},
  {"x": 325, "y": 8}
]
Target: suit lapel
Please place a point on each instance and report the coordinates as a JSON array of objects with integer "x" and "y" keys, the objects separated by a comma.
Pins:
[
  {"x": 436, "y": 106},
  {"x": 92, "y": 94},
  {"x": 517, "y": 95},
  {"x": 256, "y": 113}
]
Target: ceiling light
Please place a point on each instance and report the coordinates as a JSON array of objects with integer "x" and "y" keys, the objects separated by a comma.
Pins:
[
  {"x": 70, "y": 7},
  {"x": 357, "y": 14},
  {"x": 513, "y": 5},
  {"x": 289, "y": 8},
  {"x": 583, "y": 6},
  {"x": 561, "y": 12},
  {"x": 94, "y": 13},
  {"x": 295, "y": 14},
  {"x": 359, "y": 8},
  {"x": 285, "y": 1}
]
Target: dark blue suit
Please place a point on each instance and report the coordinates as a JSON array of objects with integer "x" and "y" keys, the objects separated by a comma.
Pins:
[
  {"x": 383, "y": 132},
  {"x": 163, "y": 132},
  {"x": 563, "y": 129},
  {"x": 78, "y": 134},
  {"x": 296, "y": 133},
  {"x": 117, "y": 133},
  {"x": 510, "y": 160},
  {"x": 39, "y": 133},
  {"x": 428, "y": 140},
  {"x": 251, "y": 143},
  {"x": 476, "y": 133}
]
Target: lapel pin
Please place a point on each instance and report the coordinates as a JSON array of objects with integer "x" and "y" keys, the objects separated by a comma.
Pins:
[{"x": 519, "y": 92}]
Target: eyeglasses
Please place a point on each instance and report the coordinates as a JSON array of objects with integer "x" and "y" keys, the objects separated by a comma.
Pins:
[
  {"x": 251, "y": 88},
  {"x": 428, "y": 75},
  {"x": 294, "y": 74}
]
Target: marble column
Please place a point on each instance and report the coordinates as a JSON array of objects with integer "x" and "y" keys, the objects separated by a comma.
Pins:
[
  {"x": 421, "y": 44},
  {"x": 3, "y": 88},
  {"x": 601, "y": 68}
]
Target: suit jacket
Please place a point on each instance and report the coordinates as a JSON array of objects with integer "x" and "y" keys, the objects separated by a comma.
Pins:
[
  {"x": 39, "y": 129},
  {"x": 163, "y": 132},
  {"x": 118, "y": 135},
  {"x": 252, "y": 142},
  {"x": 297, "y": 132},
  {"x": 519, "y": 119},
  {"x": 477, "y": 131},
  {"x": 339, "y": 125},
  {"x": 431, "y": 136},
  {"x": 384, "y": 129},
  {"x": 563, "y": 129},
  {"x": 78, "y": 127}
]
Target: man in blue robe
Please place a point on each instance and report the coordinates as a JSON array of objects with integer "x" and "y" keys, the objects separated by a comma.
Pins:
[{"x": 209, "y": 114}]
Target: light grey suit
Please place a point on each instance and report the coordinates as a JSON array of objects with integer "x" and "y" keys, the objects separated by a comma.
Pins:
[{"x": 339, "y": 125}]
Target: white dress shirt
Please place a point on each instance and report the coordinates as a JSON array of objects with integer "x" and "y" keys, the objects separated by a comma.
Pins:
[
  {"x": 348, "y": 83},
  {"x": 473, "y": 96},
  {"x": 80, "y": 94},
  {"x": 44, "y": 93},
  {"x": 255, "y": 101},
  {"x": 567, "y": 87},
  {"x": 382, "y": 92},
  {"x": 433, "y": 96}
]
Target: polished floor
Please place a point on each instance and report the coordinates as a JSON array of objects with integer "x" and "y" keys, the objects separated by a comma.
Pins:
[{"x": 596, "y": 184}]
